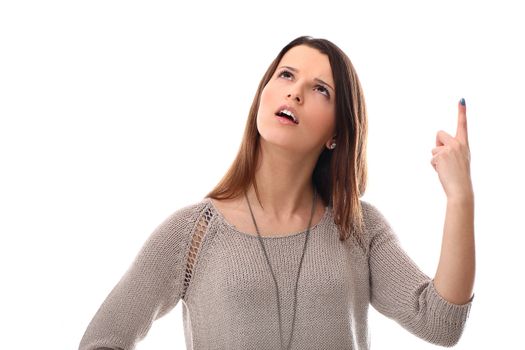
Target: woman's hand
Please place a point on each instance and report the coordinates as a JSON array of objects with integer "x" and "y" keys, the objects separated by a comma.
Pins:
[{"x": 451, "y": 159}]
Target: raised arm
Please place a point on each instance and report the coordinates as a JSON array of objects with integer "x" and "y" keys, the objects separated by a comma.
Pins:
[
  {"x": 451, "y": 159},
  {"x": 454, "y": 278},
  {"x": 402, "y": 292}
]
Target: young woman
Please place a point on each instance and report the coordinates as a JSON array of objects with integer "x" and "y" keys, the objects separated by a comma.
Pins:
[{"x": 282, "y": 253}]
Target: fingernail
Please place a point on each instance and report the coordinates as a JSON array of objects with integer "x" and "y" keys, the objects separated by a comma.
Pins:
[{"x": 462, "y": 101}]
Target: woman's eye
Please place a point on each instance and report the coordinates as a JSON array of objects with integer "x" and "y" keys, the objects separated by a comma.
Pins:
[
  {"x": 324, "y": 89},
  {"x": 285, "y": 72}
]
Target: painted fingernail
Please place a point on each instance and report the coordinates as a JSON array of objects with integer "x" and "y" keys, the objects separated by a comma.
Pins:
[{"x": 462, "y": 101}]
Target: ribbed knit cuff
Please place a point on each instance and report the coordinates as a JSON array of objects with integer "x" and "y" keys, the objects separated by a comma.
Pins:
[{"x": 447, "y": 311}]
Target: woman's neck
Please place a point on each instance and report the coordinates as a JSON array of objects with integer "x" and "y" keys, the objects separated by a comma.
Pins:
[{"x": 285, "y": 188}]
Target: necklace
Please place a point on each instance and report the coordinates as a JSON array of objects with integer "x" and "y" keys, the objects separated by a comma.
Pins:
[{"x": 273, "y": 275}]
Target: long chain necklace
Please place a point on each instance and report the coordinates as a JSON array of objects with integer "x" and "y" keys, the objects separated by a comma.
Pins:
[{"x": 273, "y": 275}]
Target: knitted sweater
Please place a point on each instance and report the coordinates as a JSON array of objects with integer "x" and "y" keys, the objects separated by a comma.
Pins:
[{"x": 229, "y": 297}]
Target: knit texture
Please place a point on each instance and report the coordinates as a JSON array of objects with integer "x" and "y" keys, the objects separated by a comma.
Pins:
[{"x": 229, "y": 298}]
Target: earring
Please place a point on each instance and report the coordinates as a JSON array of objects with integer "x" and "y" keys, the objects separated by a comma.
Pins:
[{"x": 332, "y": 146}]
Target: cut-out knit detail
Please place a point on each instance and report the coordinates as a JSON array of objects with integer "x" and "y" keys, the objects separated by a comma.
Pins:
[{"x": 193, "y": 252}]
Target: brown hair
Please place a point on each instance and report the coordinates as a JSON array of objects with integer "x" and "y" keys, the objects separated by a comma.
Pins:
[{"x": 340, "y": 174}]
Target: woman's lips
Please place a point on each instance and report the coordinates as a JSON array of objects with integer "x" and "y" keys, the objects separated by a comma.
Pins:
[
  {"x": 290, "y": 108},
  {"x": 285, "y": 120}
]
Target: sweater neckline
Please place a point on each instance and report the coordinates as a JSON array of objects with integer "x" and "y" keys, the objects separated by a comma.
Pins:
[{"x": 233, "y": 228}]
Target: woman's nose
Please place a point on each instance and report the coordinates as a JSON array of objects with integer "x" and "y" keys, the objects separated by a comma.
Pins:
[{"x": 296, "y": 96}]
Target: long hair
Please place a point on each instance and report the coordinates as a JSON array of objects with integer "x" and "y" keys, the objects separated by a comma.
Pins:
[{"x": 340, "y": 175}]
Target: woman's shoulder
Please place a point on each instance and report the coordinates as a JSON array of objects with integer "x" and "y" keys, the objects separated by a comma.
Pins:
[
  {"x": 376, "y": 226},
  {"x": 181, "y": 220},
  {"x": 372, "y": 215},
  {"x": 188, "y": 213}
]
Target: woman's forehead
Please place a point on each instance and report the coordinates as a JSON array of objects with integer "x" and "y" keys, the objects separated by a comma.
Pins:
[{"x": 308, "y": 61}]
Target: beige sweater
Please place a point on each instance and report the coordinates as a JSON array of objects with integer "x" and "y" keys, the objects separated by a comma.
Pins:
[{"x": 229, "y": 298}]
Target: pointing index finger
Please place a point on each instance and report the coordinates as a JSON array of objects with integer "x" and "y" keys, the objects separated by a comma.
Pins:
[{"x": 462, "y": 133}]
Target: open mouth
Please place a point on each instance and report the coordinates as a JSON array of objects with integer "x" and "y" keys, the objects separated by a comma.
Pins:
[{"x": 284, "y": 115}]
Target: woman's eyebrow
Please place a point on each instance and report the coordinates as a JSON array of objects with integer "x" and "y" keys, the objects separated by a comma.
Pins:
[{"x": 316, "y": 79}]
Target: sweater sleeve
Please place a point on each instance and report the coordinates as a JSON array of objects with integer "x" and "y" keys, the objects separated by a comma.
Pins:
[
  {"x": 148, "y": 290},
  {"x": 402, "y": 292}
]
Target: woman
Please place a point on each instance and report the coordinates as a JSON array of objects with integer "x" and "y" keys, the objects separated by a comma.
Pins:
[{"x": 282, "y": 253}]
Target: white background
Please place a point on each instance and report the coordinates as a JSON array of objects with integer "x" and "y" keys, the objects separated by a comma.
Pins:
[{"x": 116, "y": 113}]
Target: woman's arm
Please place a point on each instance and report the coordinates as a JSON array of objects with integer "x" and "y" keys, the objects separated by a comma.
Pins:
[
  {"x": 404, "y": 293},
  {"x": 454, "y": 278},
  {"x": 149, "y": 289}
]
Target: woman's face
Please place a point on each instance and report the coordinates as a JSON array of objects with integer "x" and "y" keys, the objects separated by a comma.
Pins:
[{"x": 306, "y": 86}]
